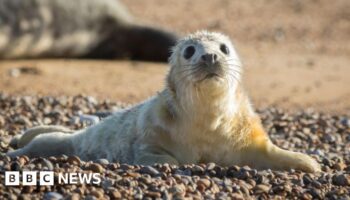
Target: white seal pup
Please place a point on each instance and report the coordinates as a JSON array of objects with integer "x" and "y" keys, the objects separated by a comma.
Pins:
[
  {"x": 202, "y": 115},
  {"x": 77, "y": 29}
]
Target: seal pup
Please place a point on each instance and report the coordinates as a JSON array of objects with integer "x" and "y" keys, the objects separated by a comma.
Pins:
[
  {"x": 203, "y": 115},
  {"x": 78, "y": 29}
]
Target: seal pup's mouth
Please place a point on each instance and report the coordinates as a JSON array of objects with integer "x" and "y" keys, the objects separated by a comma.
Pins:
[
  {"x": 210, "y": 73},
  {"x": 211, "y": 76}
]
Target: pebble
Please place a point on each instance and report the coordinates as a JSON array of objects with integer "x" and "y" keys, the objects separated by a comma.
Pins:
[
  {"x": 90, "y": 197},
  {"x": 46, "y": 163},
  {"x": 95, "y": 168},
  {"x": 153, "y": 194},
  {"x": 74, "y": 160},
  {"x": 102, "y": 161},
  {"x": 204, "y": 182},
  {"x": 74, "y": 196},
  {"x": 52, "y": 196},
  {"x": 149, "y": 170},
  {"x": 107, "y": 183},
  {"x": 197, "y": 170},
  {"x": 341, "y": 179},
  {"x": 115, "y": 194},
  {"x": 261, "y": 188},
  {"x": 210, "y": 166},
  {"x": 24, "y": 197},
  {"x": 97, "y": 193},
  {"x": 177, "y": 189},
  {"x": 2, "y": 121}
]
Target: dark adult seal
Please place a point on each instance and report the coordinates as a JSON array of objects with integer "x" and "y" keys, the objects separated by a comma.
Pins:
[{"x": 77, "y": 29}]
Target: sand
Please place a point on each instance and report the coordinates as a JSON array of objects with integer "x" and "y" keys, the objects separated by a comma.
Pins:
[{"x": 295, "y": 54}]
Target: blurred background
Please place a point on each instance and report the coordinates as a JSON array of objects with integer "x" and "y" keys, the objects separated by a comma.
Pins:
[{"x": 296, "y": 54}]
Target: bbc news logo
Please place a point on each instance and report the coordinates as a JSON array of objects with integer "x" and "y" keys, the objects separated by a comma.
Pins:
[{"x": 13, "y": 178}]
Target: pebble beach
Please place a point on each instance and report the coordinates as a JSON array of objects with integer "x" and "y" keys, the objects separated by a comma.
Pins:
[{"x": 323, "y": 136}]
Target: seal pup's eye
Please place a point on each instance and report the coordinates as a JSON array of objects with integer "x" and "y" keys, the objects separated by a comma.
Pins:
[
  {"x": 224, "y": 49},
  {"x": 189, "y": 51}
]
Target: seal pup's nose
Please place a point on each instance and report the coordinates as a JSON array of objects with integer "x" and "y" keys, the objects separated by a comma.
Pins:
[{"x": 209, "y": 58}]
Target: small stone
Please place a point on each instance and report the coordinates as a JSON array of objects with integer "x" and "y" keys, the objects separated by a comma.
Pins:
[
  {"x": 126, "y": 167},
  {"x": 91, "y": 100},
  {"x": 74, "y": 196},
  {"x": 316, "y": 194},
  {"x": 138, "y": 196},
  {"x": 306, "y": 196},
  {"x": 306, "y": 130},
  {"x": 16, "y": 191},
  {"x": 115, "y": 194},
  {"x": 237, "y": 196},
  {"x": 261, "y": 188},
  {"x": 197, "y": 170},
  {"x": 210, "y": 166},
  {"x": 153, "y": 194},
  {"x": 346, "y": 122},
  {"x": 165, "y": 168},
  {"x": 24, "y": 197},
  {"x": 62, "y": 158},
  {"x": 339, "y": 166},
  {"x": 47, "y": 164},
  {"x": 204, "y": 182},
  {"x": 2, "y": 121},
  {"x": 16, "y": 166},
  {"x": 149, "y": 170},
  {"x": 74, "y": 160},
  {"x": 52, "y": 196},
  {"x": 329, "y": 138},
  {"x": 102, "y": 161},
  {"x": 97, "y": 193},
  {"x": 79, "y": 190},
  {"x": 215, "y": 188},
  {"x": 90, "y": 197},
  {"x": 95, "y": 168},
  {"x": 244, "y": 187},
  {"x": 177, "y": 189},
  {"x": 145, "y": 180},
  {"x": 201, "y": 187},
  {"x": 23, "y": 160},
  {"x": 341, "y": 180},
  {"x": 307, "y": 179}
]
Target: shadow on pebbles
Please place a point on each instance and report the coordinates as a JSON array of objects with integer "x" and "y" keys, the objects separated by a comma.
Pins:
[{"x": 325, "y": 137}]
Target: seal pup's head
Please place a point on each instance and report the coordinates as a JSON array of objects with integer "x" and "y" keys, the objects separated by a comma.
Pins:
[{"x": 204, "y": 63}]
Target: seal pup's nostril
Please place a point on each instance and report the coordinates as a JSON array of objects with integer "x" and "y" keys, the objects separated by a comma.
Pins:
[{"x": 209, "y": 58}]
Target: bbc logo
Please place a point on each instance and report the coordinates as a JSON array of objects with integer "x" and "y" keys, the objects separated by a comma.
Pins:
[{"x": 12, "y": 178}]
